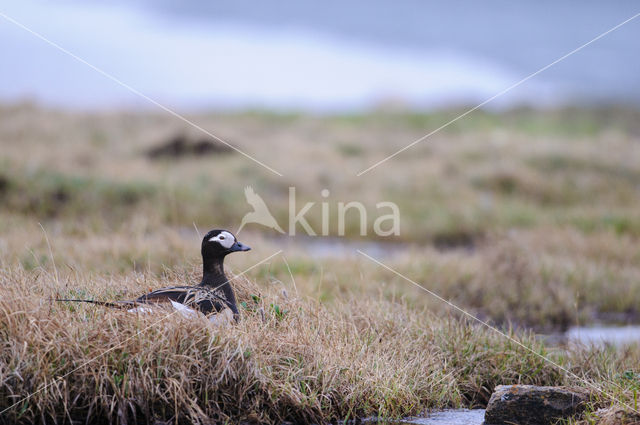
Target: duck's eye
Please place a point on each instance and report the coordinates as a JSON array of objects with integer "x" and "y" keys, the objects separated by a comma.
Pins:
[{"x": 221, "y": 238}]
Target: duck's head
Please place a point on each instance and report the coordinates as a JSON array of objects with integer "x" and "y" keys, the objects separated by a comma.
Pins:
[{"x": 218, "y": 243}]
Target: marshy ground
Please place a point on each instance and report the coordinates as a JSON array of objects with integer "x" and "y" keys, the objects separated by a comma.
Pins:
[{"x": 529, "y": 220}]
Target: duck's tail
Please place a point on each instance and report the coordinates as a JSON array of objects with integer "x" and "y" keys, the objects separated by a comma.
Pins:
[{"x": 117, "y": 304}]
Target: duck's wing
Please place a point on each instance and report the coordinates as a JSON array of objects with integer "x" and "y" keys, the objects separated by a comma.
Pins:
[
  {"x": 193, "y": 297},
  {"x": 186, "y": 299}
]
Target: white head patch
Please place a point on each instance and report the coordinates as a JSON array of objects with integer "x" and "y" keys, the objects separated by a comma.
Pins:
[{"x": 224, "y": 238}]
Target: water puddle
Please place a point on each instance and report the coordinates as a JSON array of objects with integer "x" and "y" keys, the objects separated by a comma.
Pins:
[
  {"x": 600, "y": 335},
  {"x": 323, "y": 247},
  {"x": 449, "y": 417},
  {"x": 597, "y": 335},
  {"x": 329, "y": 247}
]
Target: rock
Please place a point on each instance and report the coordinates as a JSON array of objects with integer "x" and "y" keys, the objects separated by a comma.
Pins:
[{"x": 533, "y": 405}]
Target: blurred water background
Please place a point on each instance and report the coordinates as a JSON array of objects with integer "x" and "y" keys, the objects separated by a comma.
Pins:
[{"x": 319, "y": 56}]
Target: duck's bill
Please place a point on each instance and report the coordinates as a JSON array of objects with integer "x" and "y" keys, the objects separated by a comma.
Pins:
[{"x": 239, "y": 247}]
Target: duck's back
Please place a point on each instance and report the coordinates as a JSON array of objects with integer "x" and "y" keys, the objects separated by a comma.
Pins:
[{"x": 196, "y": 297}]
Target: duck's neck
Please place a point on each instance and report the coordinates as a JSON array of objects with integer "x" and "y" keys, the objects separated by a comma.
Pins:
[{"x": 213, "y": 277}]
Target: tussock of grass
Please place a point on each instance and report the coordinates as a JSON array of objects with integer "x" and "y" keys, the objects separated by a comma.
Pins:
[{"x": 289, "y": 358}]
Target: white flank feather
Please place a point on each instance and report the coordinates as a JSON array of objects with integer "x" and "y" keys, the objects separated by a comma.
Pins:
[
  {"x": 140, "y": 310},
  {"x": 184, "y": 310},
  {"x": 225, "y": 317}
]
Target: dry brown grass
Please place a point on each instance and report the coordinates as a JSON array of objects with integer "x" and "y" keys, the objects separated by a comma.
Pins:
[
  {"x": 290, "y": 358},
  {"x": 546, "y": 279},
  {"x": 612, "y": 416},
  {"x": 304, "y": 361}
]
